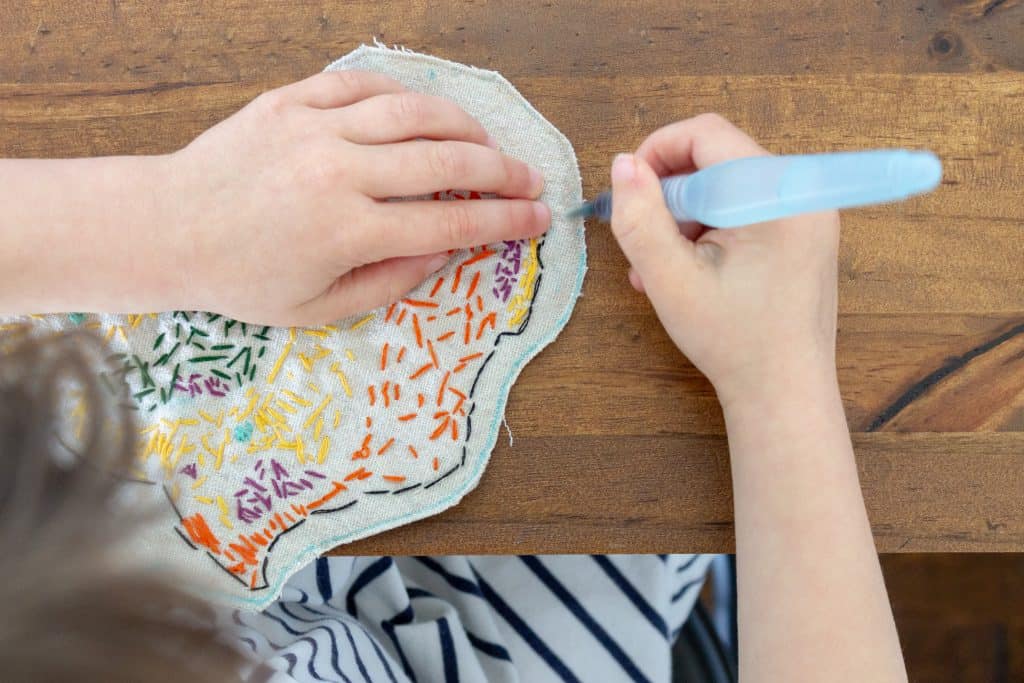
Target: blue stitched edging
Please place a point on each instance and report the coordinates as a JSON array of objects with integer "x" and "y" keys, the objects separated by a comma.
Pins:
[{"x": 313, "y": 550}]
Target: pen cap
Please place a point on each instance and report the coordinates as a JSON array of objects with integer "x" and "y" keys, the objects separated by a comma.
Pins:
[{"x": 756, "y": 189}]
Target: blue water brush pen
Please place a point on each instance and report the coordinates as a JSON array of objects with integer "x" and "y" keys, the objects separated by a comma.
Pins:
[{"x": 744, "y": 191}]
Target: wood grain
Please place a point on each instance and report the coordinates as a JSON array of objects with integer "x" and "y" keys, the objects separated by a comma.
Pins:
[
  {"x": 623, "y": 438},
  {"x": 279, "y": 41},
  {"x": 958, "y": 616},
  {"x": 924, "y": 493}
]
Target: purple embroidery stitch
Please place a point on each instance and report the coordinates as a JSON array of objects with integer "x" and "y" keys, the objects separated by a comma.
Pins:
[
  {"x": 192, "y": 387},
  {"x": 214, "y": 386},
  {"x": 282, "y": 485},
  {"x": 506, "y": 272}
]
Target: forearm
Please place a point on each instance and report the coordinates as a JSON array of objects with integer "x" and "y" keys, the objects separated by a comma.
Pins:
[
  {"x": 812, "y": 603},
  {"x": 86, "y": 235}
]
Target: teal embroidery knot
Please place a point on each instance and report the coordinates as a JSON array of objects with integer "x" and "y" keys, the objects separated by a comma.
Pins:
[
  {"x": 76, "y": 318},
  {"x": 243, "y": 432}
]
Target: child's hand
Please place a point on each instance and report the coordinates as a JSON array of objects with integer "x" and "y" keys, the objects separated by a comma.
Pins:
[
  {"x": 753, "y": 308},
  {"x": 279, "y": 211}
]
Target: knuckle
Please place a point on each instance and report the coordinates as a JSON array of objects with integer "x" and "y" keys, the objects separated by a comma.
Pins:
[
  {"x": 445, "y": 161},
  {"x": 712, "y": 119},
  {"x": 630, "y": 225},
  {"x": 460, "y": 225},
  {"x": 408, "y": 109},
  {"x": 450, "y": 111},
  {"x": 271, "y": 103},
  {"x": 713, "y": 124},
  {"x": 392, "y": 292},
  {"x": 523, "y": 217},
  {"x": 511, "y": 172},
  {"x": 626, "y": 230},
  {"x": 346, "y": 80},
  {"x": 378, "y": 292}
]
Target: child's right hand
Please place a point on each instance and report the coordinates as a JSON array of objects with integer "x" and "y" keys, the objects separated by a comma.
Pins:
[{"x": 753, "y": 308}]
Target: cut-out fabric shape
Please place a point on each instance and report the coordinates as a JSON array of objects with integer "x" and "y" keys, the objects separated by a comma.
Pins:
[{"x": 267, "y": 446}]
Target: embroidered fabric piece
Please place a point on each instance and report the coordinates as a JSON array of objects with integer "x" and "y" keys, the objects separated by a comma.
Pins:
[{"x": 267, "y": 446}]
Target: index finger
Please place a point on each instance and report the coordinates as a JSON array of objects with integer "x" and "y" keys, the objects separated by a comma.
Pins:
[
  {"x": 696, "y": 143},
  {"x": 333, "y": 89},
  {"x": 418, "y": 167}
]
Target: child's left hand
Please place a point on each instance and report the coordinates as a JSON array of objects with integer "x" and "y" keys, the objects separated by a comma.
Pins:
[{"x": 279, "y": 214}]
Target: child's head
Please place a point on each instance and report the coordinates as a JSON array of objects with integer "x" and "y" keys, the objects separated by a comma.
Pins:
[{"x": 71, "y": 612}]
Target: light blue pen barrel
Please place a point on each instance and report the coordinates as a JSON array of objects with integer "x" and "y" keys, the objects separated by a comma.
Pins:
[{"x": 756, "y": 189}]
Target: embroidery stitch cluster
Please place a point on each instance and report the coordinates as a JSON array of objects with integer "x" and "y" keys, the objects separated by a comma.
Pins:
[
  {"x": 251, "y": 432},
  {"x": 423, "y": 377}
]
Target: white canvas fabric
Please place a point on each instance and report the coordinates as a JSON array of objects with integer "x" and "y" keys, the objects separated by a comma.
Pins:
[{"x": 267, "y": 446}]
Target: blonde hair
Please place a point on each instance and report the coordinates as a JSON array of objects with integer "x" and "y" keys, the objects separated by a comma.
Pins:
[{"x": 71, "y": 612}]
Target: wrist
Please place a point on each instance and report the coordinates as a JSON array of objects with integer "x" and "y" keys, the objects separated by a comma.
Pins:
[
  {"x": 96, "y": 230},
  {"x": 163, "y": 229},
  {"x": 781, "y": 385},
  {"x": 140, "y": 241},
  {"x": 788, "y": 421}
]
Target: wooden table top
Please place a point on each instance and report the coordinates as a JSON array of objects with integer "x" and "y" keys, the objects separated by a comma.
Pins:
[{"x": 618, "y": 441}]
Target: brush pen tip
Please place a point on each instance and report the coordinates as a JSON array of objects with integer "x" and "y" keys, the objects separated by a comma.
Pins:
[{"x": 584, "y": 210}]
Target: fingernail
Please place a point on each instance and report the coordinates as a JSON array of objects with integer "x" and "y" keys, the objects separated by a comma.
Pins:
[
  {"x": 623, "y": 168},
  {"x": 536, "y": 182},
  {"x": 438, "y": 262},
  {"x": 542, "y": 213},
  {"x": 491, "y": 142}
]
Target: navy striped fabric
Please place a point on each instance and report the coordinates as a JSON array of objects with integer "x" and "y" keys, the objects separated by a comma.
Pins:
[{"x": 469, "y": 619}]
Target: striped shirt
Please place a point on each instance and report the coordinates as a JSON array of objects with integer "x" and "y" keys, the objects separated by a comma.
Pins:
[{"x": 468, "y": 619}]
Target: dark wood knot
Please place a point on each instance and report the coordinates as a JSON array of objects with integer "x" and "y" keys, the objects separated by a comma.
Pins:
[{"x": 945, "y": 45}]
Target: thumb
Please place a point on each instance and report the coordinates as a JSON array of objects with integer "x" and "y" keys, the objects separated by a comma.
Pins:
[
  {"x": 374, "y": 285},
  {"x": 645, "y": 230}
]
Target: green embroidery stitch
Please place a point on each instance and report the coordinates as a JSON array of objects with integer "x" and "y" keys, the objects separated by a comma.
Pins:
[{"x": 214, "y": 370}]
